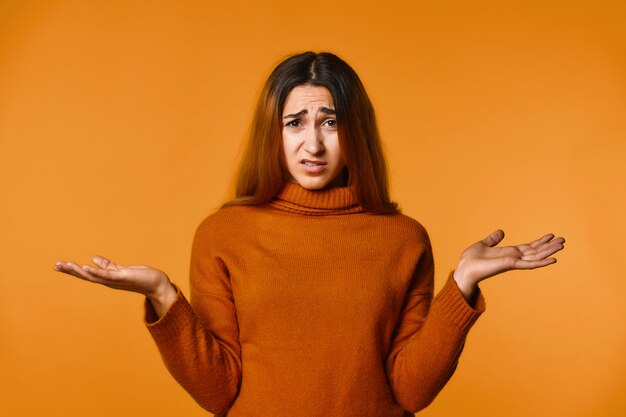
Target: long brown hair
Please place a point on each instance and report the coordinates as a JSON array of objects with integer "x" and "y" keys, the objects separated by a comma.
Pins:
[{"x": 261, "y": 173}]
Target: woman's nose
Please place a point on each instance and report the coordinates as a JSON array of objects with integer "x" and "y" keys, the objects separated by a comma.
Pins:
[{"x": 313, "y": 141}]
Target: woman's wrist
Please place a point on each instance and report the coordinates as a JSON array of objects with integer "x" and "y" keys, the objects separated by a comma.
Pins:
[
  {"x": 466, "y": 285},
  {"x": 162, "y": 297}
]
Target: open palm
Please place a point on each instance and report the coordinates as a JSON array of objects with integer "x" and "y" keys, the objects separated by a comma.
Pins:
[
  {"x": 483, "y": 259},
  {"x": 137, "y": 278}
]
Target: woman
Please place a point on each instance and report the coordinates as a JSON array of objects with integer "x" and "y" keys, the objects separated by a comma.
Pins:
[{"x": 311, "y": 294}]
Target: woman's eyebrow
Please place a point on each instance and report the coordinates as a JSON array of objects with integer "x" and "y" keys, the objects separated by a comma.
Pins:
[
  {"x": 300, "y": 113},
  {"x": 305, "y": 111}
]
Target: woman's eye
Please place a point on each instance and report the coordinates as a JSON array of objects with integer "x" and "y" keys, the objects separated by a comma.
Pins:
[
  {"x": 293, "y": 123},
  {"x": 331, "y": 122}
]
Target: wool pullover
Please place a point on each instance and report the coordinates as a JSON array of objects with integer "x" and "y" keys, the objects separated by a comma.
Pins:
[{"x": 311, "y": 306}]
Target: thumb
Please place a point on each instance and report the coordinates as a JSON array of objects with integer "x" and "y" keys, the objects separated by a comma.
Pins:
[
  {"x": 494, "y": 238},
  {"x": 104, "y": 263}
]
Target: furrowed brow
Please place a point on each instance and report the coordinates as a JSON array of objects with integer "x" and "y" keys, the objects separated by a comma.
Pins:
[{"x": 300, "y": 113}]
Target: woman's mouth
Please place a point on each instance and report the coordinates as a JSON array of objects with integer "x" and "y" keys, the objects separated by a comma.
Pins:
[{"x": 313, "y": 166}]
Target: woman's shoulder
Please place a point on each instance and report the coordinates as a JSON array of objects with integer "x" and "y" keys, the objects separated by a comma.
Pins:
[
  {"x": 223, "y": 227},
  {"x": 403, "y": 227},
  {"x": 227, "y": 218},
  {"x": 416, "y": 232},
  {"x": 406, "y": 222}
]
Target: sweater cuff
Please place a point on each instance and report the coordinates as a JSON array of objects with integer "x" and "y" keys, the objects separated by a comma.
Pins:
[
  {"x": 179, "y": 315},
  {"x": 456, "y": 308}
]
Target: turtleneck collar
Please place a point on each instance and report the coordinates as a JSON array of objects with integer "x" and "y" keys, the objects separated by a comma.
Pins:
[{"x": 336, "y": 200}]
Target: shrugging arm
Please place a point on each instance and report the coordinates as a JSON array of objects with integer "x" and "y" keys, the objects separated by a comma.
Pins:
[
  {"x": 199, "y": 341},
  {"x": 429, "y": 336}
]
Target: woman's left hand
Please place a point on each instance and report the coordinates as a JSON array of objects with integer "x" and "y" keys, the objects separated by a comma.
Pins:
[{"x": 483, "y": 259}]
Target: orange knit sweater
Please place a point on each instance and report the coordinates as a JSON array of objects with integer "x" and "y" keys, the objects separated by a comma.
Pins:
[{"x": 311, "y": 306}]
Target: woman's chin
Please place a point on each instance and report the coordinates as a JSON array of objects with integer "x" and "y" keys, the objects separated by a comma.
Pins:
[
  {"x": 313, "y": 185},
  {"x": 316, "y": 183}
]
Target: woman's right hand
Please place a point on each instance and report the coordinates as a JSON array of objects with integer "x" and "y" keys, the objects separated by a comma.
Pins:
[{"x": 143, "y": 279}]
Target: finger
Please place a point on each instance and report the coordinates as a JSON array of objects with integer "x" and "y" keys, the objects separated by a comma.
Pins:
[
  {"x": 73, "y": 269},
  {"x": 541, "y": 244},
  {"x": 104, "y": 263},
  {"x": 542, "y": 240},
  {"x": 102, "y": 274},
  {"x": 111, "y": 276},
  {"x": 91, "y": 274},
  {"x": 76, "y": 270},
  {"x": 64, "y": 267},
  {"x": 522, "y": 264},
  {"x": 549, "y": 250},
  {"x": 494, "y": 238}
]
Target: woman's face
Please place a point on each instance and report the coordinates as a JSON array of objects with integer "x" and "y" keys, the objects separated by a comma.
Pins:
[{"x": 310, "y": 141}]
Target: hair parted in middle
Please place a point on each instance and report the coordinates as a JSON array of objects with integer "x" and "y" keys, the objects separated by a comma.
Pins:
[{"x": 262, "y": 171}]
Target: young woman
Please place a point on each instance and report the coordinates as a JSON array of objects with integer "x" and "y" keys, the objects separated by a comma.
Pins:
[{"x": 311, "y": 294}]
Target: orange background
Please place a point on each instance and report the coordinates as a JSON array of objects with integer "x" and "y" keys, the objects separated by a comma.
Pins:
[{"x": 120, "y": 126}]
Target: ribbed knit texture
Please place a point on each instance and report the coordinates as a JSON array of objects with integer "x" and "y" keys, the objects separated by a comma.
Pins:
[
  {"x": 311, "y": 306},
  {"x": 297, "y": 199}
]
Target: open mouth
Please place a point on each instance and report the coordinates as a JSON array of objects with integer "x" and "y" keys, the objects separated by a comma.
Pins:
[
  {"x": 313, "y": 166},
  {"x": 311, "y": 162}
]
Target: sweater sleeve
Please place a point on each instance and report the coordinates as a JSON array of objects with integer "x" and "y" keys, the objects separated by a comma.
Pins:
[
  {"x": 429, "y": 336},
  {"x": 199, "y": 340}
]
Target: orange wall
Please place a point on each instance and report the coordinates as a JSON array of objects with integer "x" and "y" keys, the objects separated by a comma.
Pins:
[{"x": 121, "y": 121}]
